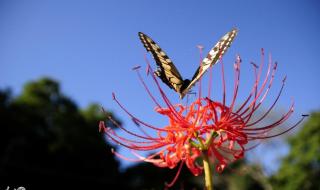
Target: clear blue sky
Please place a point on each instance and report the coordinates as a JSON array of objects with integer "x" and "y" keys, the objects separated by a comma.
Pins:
[{"x": 91, "y": 46}]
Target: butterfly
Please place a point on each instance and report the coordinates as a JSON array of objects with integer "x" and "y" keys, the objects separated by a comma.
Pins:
[{"x": 170, "y": 75}]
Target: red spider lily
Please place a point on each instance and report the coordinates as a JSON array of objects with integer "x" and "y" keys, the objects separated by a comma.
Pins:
[{"x": 205, "y": 126}]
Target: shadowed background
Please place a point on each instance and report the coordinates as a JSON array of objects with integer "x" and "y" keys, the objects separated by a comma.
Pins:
[{"x": 89, "y": 48}]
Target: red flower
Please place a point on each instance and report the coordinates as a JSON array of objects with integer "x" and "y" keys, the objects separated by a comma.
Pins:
[
  {"x": 205, "y": 126},
  {"x": 235, "y": 127}
]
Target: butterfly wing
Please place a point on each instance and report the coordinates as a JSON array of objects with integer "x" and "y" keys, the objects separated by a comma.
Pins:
[
  {"x": 212, "y": 58},
  {"x": 166, "y": 70}
]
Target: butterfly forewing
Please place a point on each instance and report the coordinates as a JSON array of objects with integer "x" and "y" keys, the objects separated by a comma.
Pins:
[
  {"x": 212, "y": 58},
  {"x": 219, "y": 49},
  {"x": 169, "y": 74},
  {"x": 166, "y": 71}
]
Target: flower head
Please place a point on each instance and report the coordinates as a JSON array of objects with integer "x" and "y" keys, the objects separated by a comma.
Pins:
[{"x": 205, "y": 126}]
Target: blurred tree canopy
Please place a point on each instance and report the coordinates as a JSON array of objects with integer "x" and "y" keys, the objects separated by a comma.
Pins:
[
  {"x": 300, "y": 169},
  {"x": 47, "y": 142},
  {"x": 238, "y": 176}
]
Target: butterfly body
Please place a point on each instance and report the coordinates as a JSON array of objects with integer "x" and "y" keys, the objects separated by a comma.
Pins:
[{"x": 170, "y": 75}]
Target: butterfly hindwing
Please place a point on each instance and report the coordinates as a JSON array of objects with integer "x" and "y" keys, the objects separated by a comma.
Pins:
[
  {"x": 166, "y": 71},
  {"x": 212, "y": 58}
]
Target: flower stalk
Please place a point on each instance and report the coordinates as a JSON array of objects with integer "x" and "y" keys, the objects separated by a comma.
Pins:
[
  {"x": 205, "y": 128},
  {"x": 207, "y": 171}
]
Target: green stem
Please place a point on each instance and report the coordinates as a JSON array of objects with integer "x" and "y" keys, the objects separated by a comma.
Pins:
[{"x": 207, "y": 172}]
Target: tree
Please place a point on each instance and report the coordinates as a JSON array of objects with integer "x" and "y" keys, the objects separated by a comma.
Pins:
[
  {"x": 238, "y": 176},
  {"x": 47, "y": 142},
  {"x": 301, "y": 168}
]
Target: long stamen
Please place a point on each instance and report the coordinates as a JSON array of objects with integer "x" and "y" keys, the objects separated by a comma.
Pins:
[
  {"x": 264, "y": 95},
  {"x": 253, "y": 102},
  {"x": 200, "y": 63},
  {"x": 210, "y": 82},
  {"x": 223, "y": 84},
  {"x": 257, "y": 76},
  {"x": 112, "y": 132},
  {"x": 236, "y": 83},
  {"x": 253, "y": 90},
  {"x": 146, "y": 88},
  {"x": 166, "y": 100},
  {"x": 140, "y": 128},
  {"x": 271, "y": 107},
  {"x": 285, "y": 131},
  {"x": 168, "y": 185},
  {"x": 124, "y": 129},
  {"x": 132, "y": 116},
  {"x": 278, "y": 122}
]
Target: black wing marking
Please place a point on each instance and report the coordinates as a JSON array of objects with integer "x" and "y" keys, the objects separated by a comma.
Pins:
[
  {"x": 166, "y": 70},
  {"x": 169, "y": 74}
]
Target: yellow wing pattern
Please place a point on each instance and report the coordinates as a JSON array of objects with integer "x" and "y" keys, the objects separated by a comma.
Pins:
[{"x": 170, "y": 75}]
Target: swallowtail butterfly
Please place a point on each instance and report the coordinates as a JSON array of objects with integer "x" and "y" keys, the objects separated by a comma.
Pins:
[{"x": 169, "y": 74}]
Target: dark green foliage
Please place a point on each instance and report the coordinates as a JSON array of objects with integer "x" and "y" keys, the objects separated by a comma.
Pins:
[
  {"x": 147, "y": 176},
  {"x": 46, "y": 140},
  {"x": 236, "y": 177},
  {"x": 241, "y": 176},
  {"x": 300, "y": 170}
]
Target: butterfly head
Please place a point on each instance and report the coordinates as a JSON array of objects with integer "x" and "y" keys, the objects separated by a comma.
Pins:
[
  {"x": 170, "y": 75},
  {"x": 185, "y": 84},
  {"x": 183, "y": 88}
]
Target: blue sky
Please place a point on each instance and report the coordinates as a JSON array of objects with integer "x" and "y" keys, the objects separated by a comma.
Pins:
[{"x": 91, "y": 46}]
